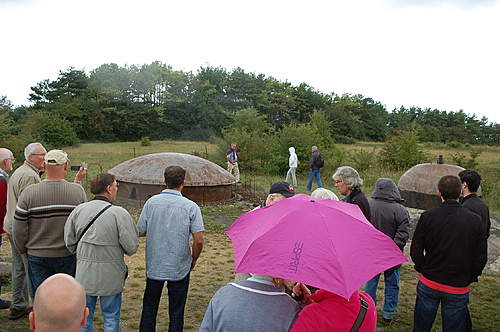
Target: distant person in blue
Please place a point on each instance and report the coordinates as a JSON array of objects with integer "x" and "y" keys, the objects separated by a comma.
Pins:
[
  {"x": 167, "y": 220},
  {"x": 315, "y": 164},
  {"x": 232, "y": 162}
]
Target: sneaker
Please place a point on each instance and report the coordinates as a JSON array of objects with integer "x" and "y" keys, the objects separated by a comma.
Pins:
[
  {"x": 18, "y": 313},
  {"x": 4, "y": 304}
]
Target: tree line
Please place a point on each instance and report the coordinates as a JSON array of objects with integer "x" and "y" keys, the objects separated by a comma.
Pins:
[{"x": 124, "y": 103}]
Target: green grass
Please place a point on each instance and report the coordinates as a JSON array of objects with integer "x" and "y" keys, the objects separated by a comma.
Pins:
[{"x": 216, "y": 264}]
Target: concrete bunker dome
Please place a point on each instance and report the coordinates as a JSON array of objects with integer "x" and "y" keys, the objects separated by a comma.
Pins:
[
  {"x": 418, "y": 185},
  {"x": 142, "y": 177}
]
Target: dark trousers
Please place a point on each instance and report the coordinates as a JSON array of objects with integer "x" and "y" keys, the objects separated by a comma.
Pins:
[
  {"x": 454, "y": 310},
  {"x": 177, "y": 296},
  {"x": 40, "y": 268}
]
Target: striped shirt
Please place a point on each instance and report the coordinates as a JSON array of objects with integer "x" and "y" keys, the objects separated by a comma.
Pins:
[{"x": 41, "y": 212}]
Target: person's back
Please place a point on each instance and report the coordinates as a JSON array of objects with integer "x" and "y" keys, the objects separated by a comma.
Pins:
[
  {"x": 386, "y": 212},
  {"x": 330, "y": 312},
  {"x": 50, "y": 202},
  {"x": 451, "y": 238},
  {"x": 169, "y": 226},
  {"x": 248, "y": 306},
  {"x": 449, "y": 249},
  {"x": 101, "y": 250},
  {"x": 167, "y": 220},
  {"x": 471, "y": 181},
  {"x": 479, "y": 207}
]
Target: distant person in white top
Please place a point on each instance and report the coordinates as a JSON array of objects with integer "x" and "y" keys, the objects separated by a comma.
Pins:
[{"x": 292, "y": 163}]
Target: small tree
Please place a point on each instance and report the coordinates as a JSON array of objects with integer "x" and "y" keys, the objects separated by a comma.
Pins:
[
  {"x": 402, "y": 150},
  {"x": 50, "y": 129}
]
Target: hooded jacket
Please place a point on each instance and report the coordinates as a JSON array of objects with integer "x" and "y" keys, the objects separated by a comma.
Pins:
[
  {"x": 387, "y": 214},
  {"x": 292, "y": 161}
]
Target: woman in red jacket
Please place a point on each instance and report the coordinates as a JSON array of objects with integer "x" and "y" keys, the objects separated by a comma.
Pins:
[{"x": 325, "y": 311}]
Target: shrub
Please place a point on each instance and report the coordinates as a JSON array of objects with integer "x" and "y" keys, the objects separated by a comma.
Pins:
[
  {"x": 145, "y": 141},
  {"x": 362, "y": 159},
  {"x": 254, "y": 137},
  {"x": 454, "y": 144},
  {"x": 301, "y": 137},
  {"x": 460, "y": 159},
  {"x": 50, "y": 129},
  {"x": 402, "y": 151}
]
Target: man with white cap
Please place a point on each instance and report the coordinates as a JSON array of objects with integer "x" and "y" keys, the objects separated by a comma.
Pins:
[{"x": 41, "y": 213}]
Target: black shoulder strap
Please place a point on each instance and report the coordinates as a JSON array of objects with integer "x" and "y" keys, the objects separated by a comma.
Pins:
[
  {"x": 363, "y": 308},
  {"x": 92, "y": 222}
]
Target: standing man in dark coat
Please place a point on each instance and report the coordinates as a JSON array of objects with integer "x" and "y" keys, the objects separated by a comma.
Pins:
[
  {"x": 392, "y": 219},
  {"x": 449, "y": 250},
  {"x": 315, "y": 164},
  {"x": 470, "y": 184},
  {"x": 348, "y": 182}
]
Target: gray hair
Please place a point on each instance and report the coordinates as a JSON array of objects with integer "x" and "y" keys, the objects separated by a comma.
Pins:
[
  {"x": 261, "y": 276},
  {"x": 314, "y": 147},
  {"x": 31, "y": 148},
  {"x": 349, "y": 176},
  {"x": 5, "y": 154},
  {"x": 324, "y": 193}
]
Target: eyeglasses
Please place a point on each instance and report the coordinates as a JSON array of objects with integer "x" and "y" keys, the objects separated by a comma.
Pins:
[
  {"x": 12, "y": 159},
  {"x": 38, "y": 154},
  {"x": 338, "y": 181}
]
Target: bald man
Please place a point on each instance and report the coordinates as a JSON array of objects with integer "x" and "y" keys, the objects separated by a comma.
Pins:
[{"x": 59, "y": 305}]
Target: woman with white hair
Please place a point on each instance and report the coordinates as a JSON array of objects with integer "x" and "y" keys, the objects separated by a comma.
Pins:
[
  {"x": 324, "y": 193},
  {"x": 348, "y": 182}
]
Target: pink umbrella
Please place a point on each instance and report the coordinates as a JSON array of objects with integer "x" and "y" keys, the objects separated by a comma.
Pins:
[{"x": 323, "y": 243}]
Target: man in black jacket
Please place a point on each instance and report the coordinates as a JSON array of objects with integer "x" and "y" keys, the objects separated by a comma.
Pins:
[
  {"x": 392, "y": 219},
  {"x": 470, "y": 184},
  {"x": 315, "y": 164},
  {"x": 449, "y": 250}
]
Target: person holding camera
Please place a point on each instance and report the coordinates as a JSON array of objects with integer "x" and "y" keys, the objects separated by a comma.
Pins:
[
  {"x": 101, "y": 233},
  {"x": 40, "y": 215}
]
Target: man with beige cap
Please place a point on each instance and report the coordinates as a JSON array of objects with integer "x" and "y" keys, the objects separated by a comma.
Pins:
[
  {"x": 59, "y": 305},
  {"x": 41, "y": 213}
]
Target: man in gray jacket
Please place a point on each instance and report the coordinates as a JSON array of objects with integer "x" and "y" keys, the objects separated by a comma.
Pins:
[
  {"x": 100, "y": 246},
  {"x": 391, "y": 218}
]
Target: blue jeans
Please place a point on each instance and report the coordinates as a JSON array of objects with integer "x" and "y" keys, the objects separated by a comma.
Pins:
[
  {"x": 177, "y": 296},
  {"x": 391, "y": 291},
  {"x": 40, "y": 268},
  {"x": 454, "y": 310},
  {"x": 110, "y": 308},
  {"x": 314, "y": 173}
]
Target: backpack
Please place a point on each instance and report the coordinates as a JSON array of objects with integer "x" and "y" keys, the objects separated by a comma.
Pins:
[{"x": 320, "y": 162}]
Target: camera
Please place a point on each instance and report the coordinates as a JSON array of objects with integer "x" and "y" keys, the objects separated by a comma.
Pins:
[{"x": 75, "y": 168}]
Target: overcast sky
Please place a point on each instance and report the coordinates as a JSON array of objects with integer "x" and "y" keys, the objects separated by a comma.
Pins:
[{"x": 441, "y": 54}]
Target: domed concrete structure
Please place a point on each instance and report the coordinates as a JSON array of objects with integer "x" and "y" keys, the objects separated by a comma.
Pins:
[
  {"x": 142, "y": 177},
  {"x": 418, "y": 185}
]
